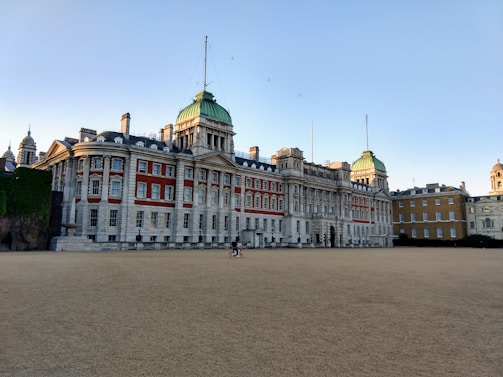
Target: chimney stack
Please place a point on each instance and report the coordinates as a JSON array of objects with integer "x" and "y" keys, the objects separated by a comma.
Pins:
[
  {"x": 254, "y": 154},
  {"x": 126, "y": 118}
]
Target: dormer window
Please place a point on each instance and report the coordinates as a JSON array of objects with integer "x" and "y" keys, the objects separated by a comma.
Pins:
[
  {"x": 118, "y": 140},
  {"x": 153, "y": 146},
  {"x": 140, "y": 144},
  {"x": 100, "y": 139}
]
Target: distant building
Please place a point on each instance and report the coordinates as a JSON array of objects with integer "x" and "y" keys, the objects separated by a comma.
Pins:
[
  {"x": 431, "y": 212},
  {"x": 485, "y": 213}
]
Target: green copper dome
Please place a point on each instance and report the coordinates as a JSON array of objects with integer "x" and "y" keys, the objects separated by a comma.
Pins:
[
  {"x": 368, "y": 161},
  {"x": 206, "y": 106}
]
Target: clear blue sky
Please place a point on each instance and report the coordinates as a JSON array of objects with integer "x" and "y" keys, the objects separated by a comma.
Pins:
[{"x": 429, "y": 74}]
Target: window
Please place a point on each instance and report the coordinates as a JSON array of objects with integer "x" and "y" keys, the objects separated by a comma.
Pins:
[
  {"x": 156, "y": 169},
  {"x": 78, "y": 190},
  {"x": 438, "y": 216},
  {"x": 167, "y": 219},
  {"x": 248, "y": 182},
  {"x": 257, "y": 201},
  {"x": 453, "y": 233},
  {"x": 202, "y": 175},
  {"x": 280, "y": 204},
  {"x": 226, "y": 222},
  {"x": 450, "y": 200},
  {"x": 298, "y": 226},
  {"x": 265, "y": 202},
  {"x": 186, "y": 219},
  {"x": 280, "y": 225},
  {"x": 226, "y": 198},
  {"x": 187, "y": 194},
  {"x": 257, "y": 183},
  {"x": 273, "y": 225},
  {"x": 112, "y": 237},
  {"x": 80, "y": 165},
  {"x": 425, "y": 202},
  {"x": 201, "y": 195},
  {"x": 439, "y": 233},
  {"x": 95, "y": 187},
  {"x": 256, "y": 223},
  {"x": 141, "y": 190},
  {"x": 201, "y": 221},
  {"x": 97, "y": 163},
  {"x": 265, "y": 224},
  {"x": 273, "y": 203},
  {"x": 153, "y": 219},
  {"x": 308, "y": 230},
  {"x": 93, "y": 217},
  {"x": 168, "y": 193},
  {"x": 156, "y": 191},
  {"x": 237, "y": 223},
  {"x": 412, "y": 217},
  {"x": 214, "y": 222},
  {"x": 412, "y": 203},
  {"x": 426, "y": 233},
  {"x": 401, "y": 217},
  {"x": 265, "y": 185},
  {"x": 115, "y": 188},
  {"x": 188, "y": 173},
  {"x": 139, "y": 219},
  {"x": 471, "y": 210},
  {"x": 237, "y": 181},
  {"x": 400, "y": 204},
  {"x": 437, "y": 201},
  {"x": 227, "y": 179},
  {"x": 425, "y": 216},
  {"x": 248, "y": 200},
  {"x": 414, "y": 233},
  {"x": 170, "y": 171},
  {"x": 452, "y": 215},
  {"x": 472, "y": 224},
  {"x": 113, "y": 217},
  {"x": 142, "y": 166},
  {"x": 116, "y": 164},
  {"x": 247, "y": 223},
  {"x": 273, "y": 186},
  {"x": 214, "y": 177}
]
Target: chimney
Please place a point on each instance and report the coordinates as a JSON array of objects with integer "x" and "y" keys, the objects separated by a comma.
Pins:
[
  {"x": 463, "y": 186},
  {"x": 254, "y": 155},
  {"x": 126, "y": 118},
  {"x": 86, "y": 133}
]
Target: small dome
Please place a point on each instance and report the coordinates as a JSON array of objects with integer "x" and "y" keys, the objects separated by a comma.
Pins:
[
  {"x": 497, "y": 166},
  {"x": 9, "y": 156},
  {"x": 368, "y": 161},
  {"x": 28, "y": 140},
  {"x": 206, "y": 106}
]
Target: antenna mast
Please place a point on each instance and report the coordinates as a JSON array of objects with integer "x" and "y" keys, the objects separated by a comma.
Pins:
[
  {"x": 205, "y": 57},
  {"x": 312, "y": 142},
  {"x": 367, "y": 129}
]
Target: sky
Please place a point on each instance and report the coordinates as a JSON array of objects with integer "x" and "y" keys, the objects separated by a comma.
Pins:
[{"x": 427, "y": 73}]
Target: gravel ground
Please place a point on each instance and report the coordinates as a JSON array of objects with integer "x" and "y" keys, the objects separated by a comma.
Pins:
[{"x": 333, "y": 312}]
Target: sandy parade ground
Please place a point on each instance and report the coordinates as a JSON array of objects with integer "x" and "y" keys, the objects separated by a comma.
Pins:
[{"x": 296, "y": 312}]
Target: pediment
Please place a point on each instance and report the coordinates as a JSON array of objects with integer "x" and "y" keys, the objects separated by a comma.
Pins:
[
  {"x": 216, "y": 158},
  {"x": 57, "y": 147}
]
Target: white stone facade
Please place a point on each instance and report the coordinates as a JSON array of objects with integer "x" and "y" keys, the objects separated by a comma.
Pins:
[{"x": 187, "y": 188}]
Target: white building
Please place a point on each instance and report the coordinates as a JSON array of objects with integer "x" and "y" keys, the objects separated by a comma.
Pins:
[
  {"x": 485, "y": 213},
  {"x": 189, "y": 188}
]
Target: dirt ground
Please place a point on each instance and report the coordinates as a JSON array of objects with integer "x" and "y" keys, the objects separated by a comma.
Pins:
[{"x": 333, "y": 312}]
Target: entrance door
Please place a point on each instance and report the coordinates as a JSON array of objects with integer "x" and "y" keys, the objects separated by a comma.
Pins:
[{"x": 257, "y": 241}]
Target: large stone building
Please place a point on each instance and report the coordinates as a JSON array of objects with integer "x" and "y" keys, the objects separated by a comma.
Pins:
[
  {"x": 188, "y": 187},
  {"x": 485, "y": 213},
  {"x": 431, "y": 212}
]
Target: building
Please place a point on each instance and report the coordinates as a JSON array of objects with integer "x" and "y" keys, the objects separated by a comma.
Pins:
[
  {"x": 188, "y": 187},
  {"x": 431, "y": 212},
  {"x": 485, "y": 213}
]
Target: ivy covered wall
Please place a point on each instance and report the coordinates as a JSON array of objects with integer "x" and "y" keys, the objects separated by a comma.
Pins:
[{"x": 25, "y": 206}]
